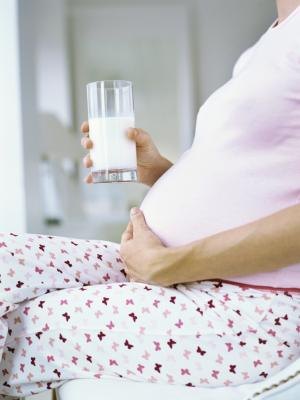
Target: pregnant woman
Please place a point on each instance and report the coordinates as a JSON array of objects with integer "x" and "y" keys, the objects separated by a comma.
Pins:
[{"x": 204, "y": 288}]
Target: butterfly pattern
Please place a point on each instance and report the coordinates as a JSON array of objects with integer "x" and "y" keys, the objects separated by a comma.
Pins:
[{"x": 67, "y": 311}]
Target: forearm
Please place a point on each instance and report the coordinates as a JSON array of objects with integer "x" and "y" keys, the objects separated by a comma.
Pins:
[{"x": 264, "y": 245}]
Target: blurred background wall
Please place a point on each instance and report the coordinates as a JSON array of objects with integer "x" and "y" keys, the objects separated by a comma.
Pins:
[{"x": 175, "y": 52}]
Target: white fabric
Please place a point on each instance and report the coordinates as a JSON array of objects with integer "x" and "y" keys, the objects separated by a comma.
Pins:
[{"x": 113, "y": 388}]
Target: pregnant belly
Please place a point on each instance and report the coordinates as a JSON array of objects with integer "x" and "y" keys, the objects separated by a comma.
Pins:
[
  {"x": 198, "y": 197},
  {"x": 170, "y": 205}
]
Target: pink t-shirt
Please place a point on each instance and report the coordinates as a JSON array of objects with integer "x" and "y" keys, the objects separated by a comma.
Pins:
[{"x": 244, "y": 162}]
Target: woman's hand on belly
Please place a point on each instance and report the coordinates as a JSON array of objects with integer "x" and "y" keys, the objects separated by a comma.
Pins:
[
  {"x": 147, "y": 259},
  {"x": 150, "y": 163}
]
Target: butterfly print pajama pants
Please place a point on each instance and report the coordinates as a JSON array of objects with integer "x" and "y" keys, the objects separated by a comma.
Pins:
[{"x": 67, "y": 311}]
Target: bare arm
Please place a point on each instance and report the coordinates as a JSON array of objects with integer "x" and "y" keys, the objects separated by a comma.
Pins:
[{"x": 264, "y": 245}]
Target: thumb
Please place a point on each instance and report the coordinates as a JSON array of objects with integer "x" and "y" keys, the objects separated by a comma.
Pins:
[
  {"x": 138, "y": 219},
  {"x": 141, "y": 137}
]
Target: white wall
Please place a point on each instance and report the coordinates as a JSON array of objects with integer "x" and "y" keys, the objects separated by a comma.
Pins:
[
  {"x": 120, "y": 42},
  {"x": 58, "y": 141},
  {"x": 12, "y": 197},
  {"x": 219, "y": 32},
  {"x": 224, "y": 30},
  {"x": 33, "y": 81},
  {"x": 30, "y": 122},
  {"x": 52, "y": 63}
]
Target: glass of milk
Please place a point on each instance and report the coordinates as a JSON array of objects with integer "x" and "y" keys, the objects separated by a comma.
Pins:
[{"x": 111, "y": 113}]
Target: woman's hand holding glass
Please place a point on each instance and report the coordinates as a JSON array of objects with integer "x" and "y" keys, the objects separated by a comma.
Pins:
[{"x": 150, "y": 163}]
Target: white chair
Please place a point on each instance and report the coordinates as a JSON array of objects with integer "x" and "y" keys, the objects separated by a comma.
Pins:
[{"x": 283, "y": 386}]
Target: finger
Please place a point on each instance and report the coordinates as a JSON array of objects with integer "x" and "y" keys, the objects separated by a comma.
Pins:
[
  {"x": 85, "y": 127},
  {"x": 141, "y": 137},
  {"x": 87, "y": 162},
  {"x": 125, "y": 237},
  {"x": 128, "y": 274},
  {"x": 135, "y": 279},
  {"x": 138, "y": 220},
  {"x": 86, "y": 143},
  {"x": 128, "y": 233},
  {"x": 89, "y": 179},
  {"x": 129, "y": 228},
  {"x": 131, "y": 276}
]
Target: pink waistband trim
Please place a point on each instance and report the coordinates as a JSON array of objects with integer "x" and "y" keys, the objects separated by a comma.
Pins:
[{"x": 259, "y": 287}]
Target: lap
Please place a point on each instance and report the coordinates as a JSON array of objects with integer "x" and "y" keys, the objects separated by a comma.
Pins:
[
  {"x": 32, "y": 265},
  {"x": 202, "y": 312},
  {"x": 202, "y": 334},
  {"x": 72, "y": 300}
]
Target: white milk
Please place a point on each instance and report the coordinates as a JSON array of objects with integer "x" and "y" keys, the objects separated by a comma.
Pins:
[{"x": 112, "y": 149}]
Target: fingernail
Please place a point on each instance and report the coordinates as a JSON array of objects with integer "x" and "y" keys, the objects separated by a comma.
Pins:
[{"x": 134, "y": 211}]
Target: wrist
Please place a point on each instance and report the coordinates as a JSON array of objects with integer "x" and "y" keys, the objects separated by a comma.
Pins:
[
  {"x": 176, "y": 265},
  {"x": 165, "y": 164},
  {"x": 189, "y": 263},
  {"x": 159, "y": 169},
  {"x": 183, "y": 257}
]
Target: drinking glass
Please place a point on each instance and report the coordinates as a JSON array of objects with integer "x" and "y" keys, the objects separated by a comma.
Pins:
[{"x": 111, "y": 113}]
